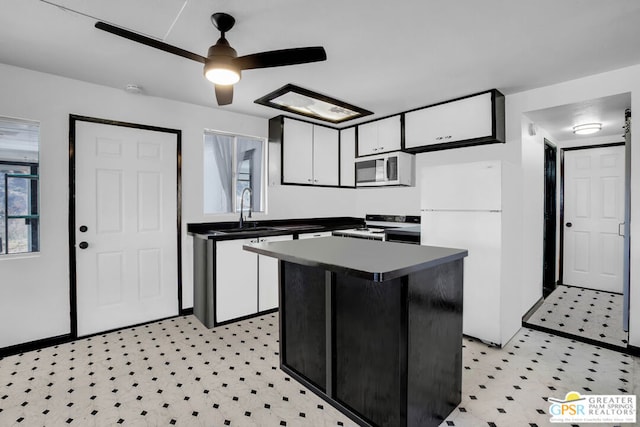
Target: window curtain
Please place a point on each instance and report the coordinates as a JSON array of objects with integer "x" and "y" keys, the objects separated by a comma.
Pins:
[
  {"x": 222, "y": 147},
  {"x": 254, "y": 148}
]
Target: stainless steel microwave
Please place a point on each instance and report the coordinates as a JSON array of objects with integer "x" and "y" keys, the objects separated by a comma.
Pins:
[{"x": 395, "y": 168}]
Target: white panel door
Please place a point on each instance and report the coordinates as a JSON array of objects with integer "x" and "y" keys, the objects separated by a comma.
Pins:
[
  {"x": 593, "y": 218},
  {"x": 326, "y": 156},
  {"x": 297, "y": 152},
  {"x": 126, "y": 197},
  {"x": 268, "y": 278},
  {"x": 347, "y": 157}
]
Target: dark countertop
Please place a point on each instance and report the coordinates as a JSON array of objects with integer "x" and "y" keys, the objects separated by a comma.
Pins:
[
  {"x": 278, "y": 227},
  {"x": 368, "y": 259}
]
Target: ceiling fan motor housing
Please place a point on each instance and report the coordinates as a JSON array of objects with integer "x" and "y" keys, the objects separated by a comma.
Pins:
[{"x": 221, "y": 55}]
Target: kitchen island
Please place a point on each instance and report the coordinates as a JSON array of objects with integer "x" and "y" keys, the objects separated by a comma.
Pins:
[{"x": 374, "y": 328}]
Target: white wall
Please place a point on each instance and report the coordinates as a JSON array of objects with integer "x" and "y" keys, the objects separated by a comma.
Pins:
[
  {"x": 34, "y": 288},
  {"x": 532, "y": 214},
  {"x": 596, "y": 86}
]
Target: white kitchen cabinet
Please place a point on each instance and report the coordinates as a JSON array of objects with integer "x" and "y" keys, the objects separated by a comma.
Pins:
[
  {"x": 268, "y": 276},
  {"x": 245, "y": 283},
  {"x": 347, "y": 157},
  {"x": 310, "y": 153},
  {"x": 314, "y": 235},
  {"x": 236, "y": 281},
  {"x": 326, "y": 154},
  {"x": 476, "y": 119},
  {"x": 380, "y": 136},
  {"x": 297, "y": 152}
]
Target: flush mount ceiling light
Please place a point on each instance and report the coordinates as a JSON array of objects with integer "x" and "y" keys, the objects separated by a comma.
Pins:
[
  {"x": 297, "y": 100},
  {"x": 587, "y": 129}
]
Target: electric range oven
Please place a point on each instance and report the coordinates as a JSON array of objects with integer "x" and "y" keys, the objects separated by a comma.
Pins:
[{"x": 378, "y": 226}]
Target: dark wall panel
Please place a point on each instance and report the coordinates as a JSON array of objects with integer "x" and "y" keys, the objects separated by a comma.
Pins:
[
  {"x": 368, "y": 328},
  {"x": 305, "y": 322},
  {"x": 435, "y": 344}
]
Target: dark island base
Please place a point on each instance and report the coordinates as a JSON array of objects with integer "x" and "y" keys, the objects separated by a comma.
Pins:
[{"x": 383, "y": 353}]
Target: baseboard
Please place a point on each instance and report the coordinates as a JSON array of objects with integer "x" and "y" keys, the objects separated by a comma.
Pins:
[
  {"x": 34, "y": 345},
  {"x": 589, "y": 289},
  {"x": 626, "y": 350},
  {"x": 63, "y": 339},
  {"x": 532, "y": 310}
]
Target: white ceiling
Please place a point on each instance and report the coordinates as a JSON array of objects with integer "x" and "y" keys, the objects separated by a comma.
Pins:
[
  {"x": 609, "y": 111},
  {"x": 383, "y": 56}
]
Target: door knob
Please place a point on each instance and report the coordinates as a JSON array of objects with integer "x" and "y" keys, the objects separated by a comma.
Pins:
[
  {"x": 83, "y": 228},
  {"x": 569, "y": 225},
  {"x": 83, "y": 245}
]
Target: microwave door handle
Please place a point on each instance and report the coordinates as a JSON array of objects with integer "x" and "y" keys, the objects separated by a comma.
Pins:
[{"x": 386, "y": 169}]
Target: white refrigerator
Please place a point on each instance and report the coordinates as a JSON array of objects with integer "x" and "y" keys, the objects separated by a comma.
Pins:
[{"x": 461, "y": 207}]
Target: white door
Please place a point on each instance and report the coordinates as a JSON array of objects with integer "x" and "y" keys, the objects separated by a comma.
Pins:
[
  {"x": 236, "y": 280},
  {"x": 593, "y": 218},
  {"x": 368, "y": 139},
  {"x": 268, "y": 278},
  {"x": 347, "y": 157},
  {"x": 297, "y": 152},
  {"x": 126, "y": 197},
  {"x": 480, "y": 233},
  {"x": 326, "y": 156}
]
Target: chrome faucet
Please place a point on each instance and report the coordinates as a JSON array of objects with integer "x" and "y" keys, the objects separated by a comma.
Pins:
[{"x": 241, "y": 222}]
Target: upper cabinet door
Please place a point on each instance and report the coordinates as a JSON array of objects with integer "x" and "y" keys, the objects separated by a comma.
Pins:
[
  {"x": 380, "y": 136},
  {"x": 389, "y": 134},
  {"x": 368, "y": 139},
  {"x": 326, "y": 148},
  {"x": 468, "y": 121},
  {"x": 297, "y": 152},
  {"x": 347, "y": 157}
]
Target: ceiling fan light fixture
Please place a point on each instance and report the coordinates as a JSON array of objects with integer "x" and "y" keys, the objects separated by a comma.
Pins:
[
  {"x": 222, "y": 75},
  {"x": 587, "y": 129}
]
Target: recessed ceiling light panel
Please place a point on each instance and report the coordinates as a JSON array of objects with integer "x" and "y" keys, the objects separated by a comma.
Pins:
[{"x": 297, "y": 100}]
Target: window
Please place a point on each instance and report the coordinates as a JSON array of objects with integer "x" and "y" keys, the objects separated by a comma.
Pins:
[
  {"x": 231, "y": 164},
  {"x": 19, "y": 210}
]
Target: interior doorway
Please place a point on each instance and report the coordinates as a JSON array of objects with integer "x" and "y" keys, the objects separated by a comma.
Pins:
[
  {"x": 549, "y": 268},
  {"x": 587, "y": 301}
]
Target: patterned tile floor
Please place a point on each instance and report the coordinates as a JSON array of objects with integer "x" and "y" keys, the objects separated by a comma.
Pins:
[
  {"x": 591, "y": 314},
  {"x": 177, "y": 372}
]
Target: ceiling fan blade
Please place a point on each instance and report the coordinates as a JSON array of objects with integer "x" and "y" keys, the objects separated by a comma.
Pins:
[
  {"x": 278, "y": 58},
  {"x": 148, "y": 41},
  {"x": 224, "y": 94}
]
